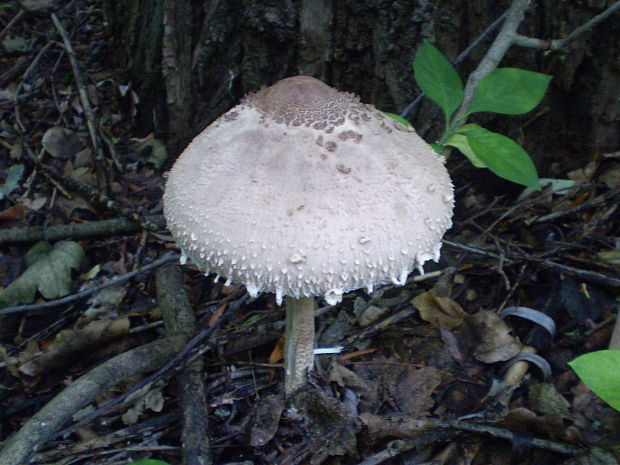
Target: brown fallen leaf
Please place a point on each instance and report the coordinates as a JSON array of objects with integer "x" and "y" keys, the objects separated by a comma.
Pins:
[
  {"x": 153, "y": 400},
  {"x": 15, "y": 212},
  {"x": 442, "y": 312},
  {"x": 73, "y": 343},
  {"x": 413, "y": 391},
  {"x": 265, "y": 420},
  {"x": 496, "y": 344}
]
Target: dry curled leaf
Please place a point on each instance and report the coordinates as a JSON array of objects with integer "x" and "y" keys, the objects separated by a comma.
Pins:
[
  {"x": 442, "y": 312},
  {"x": 73, "y": 343},
  {"x": 496, "y": 343}
]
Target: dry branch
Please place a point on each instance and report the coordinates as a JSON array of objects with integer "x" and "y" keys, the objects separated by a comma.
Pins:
[
  {"x": 179, "y": 318},
  {"x": 560, "y": 44},
  {"x": 43, "y": 424},
  {"x": 102, "y": 177},
  {"x": 85, "y": 230}
]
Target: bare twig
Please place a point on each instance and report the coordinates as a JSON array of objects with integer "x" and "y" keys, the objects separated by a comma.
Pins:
[
  {"x": 12, "y": 22},
  {"x": 86, "y": 292},
  {"x": 102, "y": 177},
  {"x": 408, "y": 425},
  {"x": 27, "y": 73},
  {"x": 192, "y": 349},
  {"x": 560, "y": 44},
  {"x": 92, "y": 194},
  {"x": 584, "y": 206},
  {"x": 77, "y": 231},
  {"x": 512, "y": 258},
  {"x": 42, "y": 425},
  {"x": 494, "y": 55}
]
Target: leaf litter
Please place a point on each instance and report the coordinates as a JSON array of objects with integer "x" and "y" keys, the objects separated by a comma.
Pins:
[{"x": 448, "y": 356}]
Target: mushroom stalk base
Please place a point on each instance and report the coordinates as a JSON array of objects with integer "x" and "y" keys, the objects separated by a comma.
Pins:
[{"x": 298, "y": 342}]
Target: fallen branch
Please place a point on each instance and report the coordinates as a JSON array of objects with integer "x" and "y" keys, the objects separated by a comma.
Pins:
[
  {"x": 43, "y": 424},
  {"x": 78, "y": 230},
  {"x": 192, "y": 349},
  {"x": 165, "y": 354},
  {"x": 405, "y": 426},
  {"x": 179, "y": 318}
]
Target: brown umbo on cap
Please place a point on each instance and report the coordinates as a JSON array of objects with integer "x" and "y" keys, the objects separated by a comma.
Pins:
[{"x": 303, "y": 190}]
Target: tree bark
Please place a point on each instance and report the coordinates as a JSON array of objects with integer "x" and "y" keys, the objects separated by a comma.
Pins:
[{"x": 192, "y": 60}]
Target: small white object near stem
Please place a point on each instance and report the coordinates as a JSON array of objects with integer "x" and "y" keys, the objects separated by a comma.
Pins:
[{"x": 328, "y": 350}]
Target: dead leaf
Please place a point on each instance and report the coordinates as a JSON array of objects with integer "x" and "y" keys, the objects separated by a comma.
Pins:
[
  {"x": 15, "y": 212},
  {"x": 544, "y": 398},
  {"x": 442, "y": 312},
  {"x": 104, "y": 304},
  {"x": 371, "y": 314},
  {"x": 523, "y": 419},
  {"x": 49, "y": 273},
  {"x": 344, "y": 377},
  {"x": 218, "y": 313},
  {"x": 61, "y": 142},
  {"x": 277, "y": 353},
  {"x": 326, "y": 420},
  {"x": 414, "y": 388},
  {"x": 72, "y": 344},
  {"x": 153, "y": 400},
  {"x": 265, "y": 420},
  {"x": 496, "y": 343},
  {"x": 611, "y": 177},
  {"x": 34, "y": 204},
  {"x": 611, "y": 256}
]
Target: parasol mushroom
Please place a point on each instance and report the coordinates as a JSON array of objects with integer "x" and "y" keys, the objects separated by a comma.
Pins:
[{"x": 304, "y": 191}]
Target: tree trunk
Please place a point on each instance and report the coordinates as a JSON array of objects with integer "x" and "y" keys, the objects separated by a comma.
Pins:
[{"x": 192, "y": 60}]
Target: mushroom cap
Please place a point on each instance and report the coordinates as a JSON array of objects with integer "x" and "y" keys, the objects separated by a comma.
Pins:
[{"x": 303, "y": 191}]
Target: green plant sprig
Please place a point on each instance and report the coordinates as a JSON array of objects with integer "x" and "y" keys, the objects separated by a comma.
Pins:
[{"x": 508, "y": 91}]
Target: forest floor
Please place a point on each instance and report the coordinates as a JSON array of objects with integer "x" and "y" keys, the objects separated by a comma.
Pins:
[{"x": 465, "y": 364}]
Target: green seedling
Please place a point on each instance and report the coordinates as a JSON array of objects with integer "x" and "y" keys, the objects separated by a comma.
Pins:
[{"x": 508, "y": 91}]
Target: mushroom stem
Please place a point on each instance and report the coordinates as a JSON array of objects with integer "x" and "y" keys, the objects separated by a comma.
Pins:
[{"x": 298, "y": 342}]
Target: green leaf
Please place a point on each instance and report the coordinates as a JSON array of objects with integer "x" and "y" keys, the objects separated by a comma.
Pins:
[
  {"x": 11, "y": 182},
  {"x": 398, "y": 118},
  {"x": 149, "y": 462},
  {"x": 510, "y": 91},
  {"x": 438, "y": 148},
  {"x": 437, "y": 78},
  {"x": 460, "y": 142},
  {"x": 49, "y": 273},
  {"x": 503, "y": 156},
  {"x": 600, "y": 371}
]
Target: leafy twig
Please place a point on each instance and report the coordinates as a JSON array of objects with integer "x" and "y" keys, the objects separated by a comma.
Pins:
[{"x": 461, "y": 56}]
